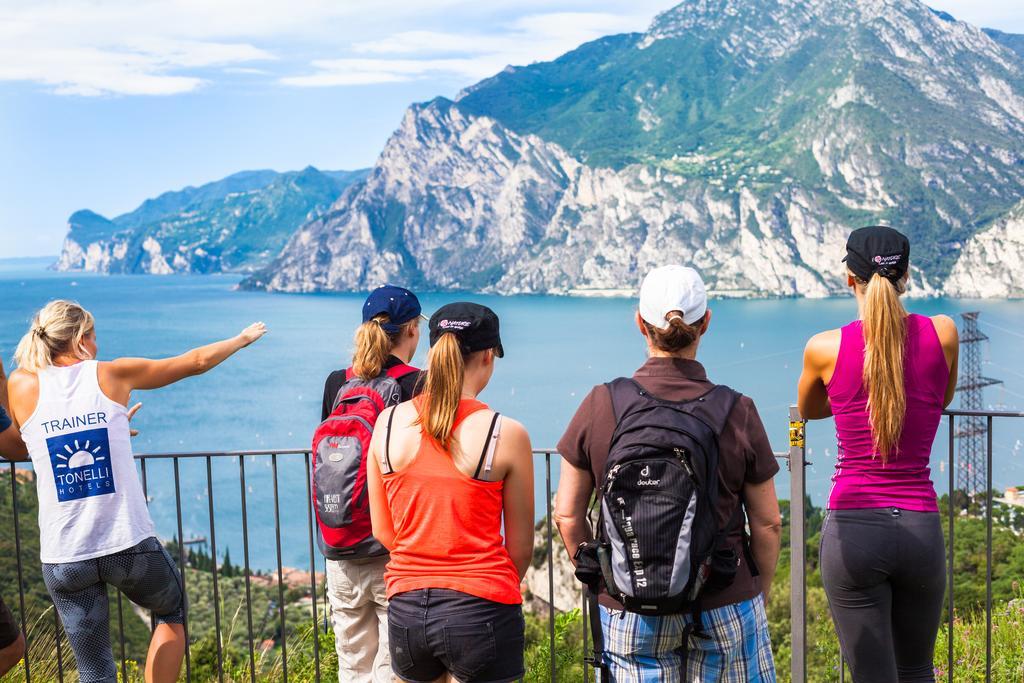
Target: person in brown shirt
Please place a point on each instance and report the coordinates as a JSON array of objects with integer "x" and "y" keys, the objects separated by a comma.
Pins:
[{"x": 673, "y": 318}]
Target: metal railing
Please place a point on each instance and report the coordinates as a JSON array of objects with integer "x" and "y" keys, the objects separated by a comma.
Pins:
[
  {"x": 318, "y": 616},
  {"x": 798, "y": 542}
]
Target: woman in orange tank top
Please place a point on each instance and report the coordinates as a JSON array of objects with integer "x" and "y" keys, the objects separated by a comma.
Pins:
[{"x": 446, "y": 476}]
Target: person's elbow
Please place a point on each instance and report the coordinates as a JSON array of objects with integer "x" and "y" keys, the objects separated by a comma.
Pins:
[
  {"x": 767, "y": 526},
  {"x": 11, "y": 445},
  {"x": 385, "y": 537},
  {"x": 522, "y": 556}
]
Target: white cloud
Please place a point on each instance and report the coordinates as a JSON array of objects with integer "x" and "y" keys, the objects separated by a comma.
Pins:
[
  {"x": 469, "y": 56},
  {"x": 162, "y": 47}
]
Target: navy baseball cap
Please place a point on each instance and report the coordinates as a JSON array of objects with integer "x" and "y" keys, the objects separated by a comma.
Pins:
[
  {"x": 398, "y": 303},
  {"x": 475, "y": 326},
  {"x": 878, "y": 249}
]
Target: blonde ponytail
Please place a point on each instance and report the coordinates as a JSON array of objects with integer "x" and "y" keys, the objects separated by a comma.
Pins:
[
  {"x": 373, "y": 346},
  {"x": 58, "y": 328},
  {"x": 442, "y": 389},
  {"x": 885, "y": 333}
]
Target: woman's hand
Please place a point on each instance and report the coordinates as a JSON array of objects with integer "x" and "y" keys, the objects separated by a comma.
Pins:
[
  {"x": 252, "y": 333},
  {"x": 131, "y": 413}
]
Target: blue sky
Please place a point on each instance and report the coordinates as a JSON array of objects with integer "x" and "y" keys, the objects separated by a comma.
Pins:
[{"x": 104, "y": 103}]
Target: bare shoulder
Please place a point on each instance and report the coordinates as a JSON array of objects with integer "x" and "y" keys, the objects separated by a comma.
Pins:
[
  {"x": 823, "y": 347},
  {"x": 22, "y": 380},
  {"x": 945, "y": 327}
]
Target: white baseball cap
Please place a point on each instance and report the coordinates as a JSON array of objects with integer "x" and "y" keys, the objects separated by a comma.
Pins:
[{"x": 672, "y": 288}]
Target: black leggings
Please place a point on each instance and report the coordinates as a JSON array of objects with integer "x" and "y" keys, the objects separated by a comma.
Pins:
[{"x": 883, "y": 570}]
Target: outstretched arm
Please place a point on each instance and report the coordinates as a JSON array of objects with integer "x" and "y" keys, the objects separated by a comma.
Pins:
[{"x": 120, "y": 377}]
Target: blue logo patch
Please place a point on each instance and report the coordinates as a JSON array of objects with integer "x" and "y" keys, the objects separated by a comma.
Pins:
[{"x": 81, "y": 464}]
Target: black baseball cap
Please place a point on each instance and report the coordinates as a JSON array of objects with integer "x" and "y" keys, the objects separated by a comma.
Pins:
[
  {"x": 475, "y": 326},
  {"x": 398, "y": 303},
  {"x": 878, "y": 249}
]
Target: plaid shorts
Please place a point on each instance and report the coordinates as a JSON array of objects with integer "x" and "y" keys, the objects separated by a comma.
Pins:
[{"x": 736, "y": 647}]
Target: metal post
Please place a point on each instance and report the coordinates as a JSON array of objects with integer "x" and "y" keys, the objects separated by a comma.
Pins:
[
  {"x": 182, "y": 559},
  {"x": 797, "y": 546},
  {"x": 216, "y": 585},
  {"x": 312, "y": 570},
  {"x": 17, "y": 559},
  {"x": 280, "y": 574},
  {"x": 248, "y": 581},
  {"x": 551, "y": 572},
  {"x": 988, "y": 555},
  {"x": 950, "y": 558}
]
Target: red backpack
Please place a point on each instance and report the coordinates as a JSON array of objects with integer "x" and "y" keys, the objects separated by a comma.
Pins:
[{"x": 340, "y": 446}]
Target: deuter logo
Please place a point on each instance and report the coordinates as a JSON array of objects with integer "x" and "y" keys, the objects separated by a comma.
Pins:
[
  {"x": 645, "y": 479},
  {"x": 81, "y": 464}
]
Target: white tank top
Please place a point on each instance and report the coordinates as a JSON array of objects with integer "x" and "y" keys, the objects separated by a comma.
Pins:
[{"x": 90, "y": 501}]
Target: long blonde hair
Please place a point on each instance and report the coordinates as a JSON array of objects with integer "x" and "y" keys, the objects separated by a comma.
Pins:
[
  {"x": 58, "y": 328},
  {"x": 885, "y": 334},
  {"x": 373, "y": 345},
  {"x": 442, "y": 389}
]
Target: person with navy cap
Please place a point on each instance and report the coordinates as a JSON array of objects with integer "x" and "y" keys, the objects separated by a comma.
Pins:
[
  {"x": 385, "y": 343},
  {"x": 885, "y": 378}
]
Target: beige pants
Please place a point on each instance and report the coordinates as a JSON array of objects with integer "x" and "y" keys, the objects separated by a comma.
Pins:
[{"x": 360, "y": 615}]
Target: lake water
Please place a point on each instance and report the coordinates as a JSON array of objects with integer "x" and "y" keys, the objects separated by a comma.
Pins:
[{"x": 557, "y": 348}]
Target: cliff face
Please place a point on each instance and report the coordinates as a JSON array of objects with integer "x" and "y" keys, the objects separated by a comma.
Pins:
[
  {"x": 991, "y": 264},
  {"x": 746, "y": 137},
  {"x": 461, "y": 202},
  {"x": 236, "y": 224}
]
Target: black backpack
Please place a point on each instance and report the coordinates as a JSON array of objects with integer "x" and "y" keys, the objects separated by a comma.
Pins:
[{"x": 658, "y": 541}]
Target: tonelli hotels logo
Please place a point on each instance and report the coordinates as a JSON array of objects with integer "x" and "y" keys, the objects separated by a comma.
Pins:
[{"x": 81, "y": 464}]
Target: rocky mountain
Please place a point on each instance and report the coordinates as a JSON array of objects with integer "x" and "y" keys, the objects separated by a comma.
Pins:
[
  {"x": 744, "y": 136},
  {"x": 238, "y": 223}
]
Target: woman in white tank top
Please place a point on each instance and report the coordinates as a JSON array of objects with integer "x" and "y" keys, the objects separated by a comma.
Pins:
[{"x": 94, "y": 526}]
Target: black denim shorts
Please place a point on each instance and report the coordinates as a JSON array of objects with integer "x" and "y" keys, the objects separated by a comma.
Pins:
[{"x": 435, "y": 630}]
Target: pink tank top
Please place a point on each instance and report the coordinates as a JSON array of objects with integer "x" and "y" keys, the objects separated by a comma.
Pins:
[{"x": 860, "y": 479}]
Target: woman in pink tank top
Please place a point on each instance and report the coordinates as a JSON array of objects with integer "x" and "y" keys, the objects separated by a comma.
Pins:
[{"x": 885, "y": 378}]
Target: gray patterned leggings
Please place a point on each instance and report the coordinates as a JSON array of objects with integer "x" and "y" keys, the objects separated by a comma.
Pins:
[{"x": 145, "y": 573}]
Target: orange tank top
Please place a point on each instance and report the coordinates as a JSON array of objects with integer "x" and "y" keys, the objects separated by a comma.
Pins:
[{"x": 448, "y": 526}]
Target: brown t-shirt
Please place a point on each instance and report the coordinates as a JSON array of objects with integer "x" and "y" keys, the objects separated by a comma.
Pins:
[{"x": 745, "y": 455}]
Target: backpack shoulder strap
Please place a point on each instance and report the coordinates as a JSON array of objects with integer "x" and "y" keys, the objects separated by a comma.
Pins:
[
  {"x": 626, "y": 393},
  {"x": 714, "y": 407},
  {"x": 387, "y": 443},
  {"x": 401, "y": 370},
  {"x": 349, "y": 374}
]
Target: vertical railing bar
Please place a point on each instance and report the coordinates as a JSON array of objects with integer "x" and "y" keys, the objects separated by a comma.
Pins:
[
  {"x": 280, "y": 574},
  {"x": 21, "y": 579},
  {"x": 586, "y": 635},
  {"x": 181, "y": 558},
  {"x": 145, "y": 494},
  {"x": 797, "y": 547},
  {"x": 312, "y": 571},
  {"x": 950, "y": 556},
  {"x": 988, "y": 555},
  {"x": 842, "y": 667},
  {"x": 216, "y": 580},
  {"x": 551, "y": 571},
  {"x": 248, "y": 582},
  {"x": 120, "y": 630},
  {"x": 328, "y": 615},
  {"x": 60, "y": 655}
]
